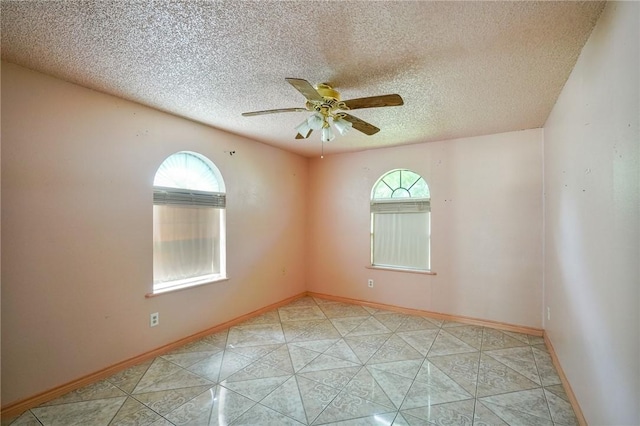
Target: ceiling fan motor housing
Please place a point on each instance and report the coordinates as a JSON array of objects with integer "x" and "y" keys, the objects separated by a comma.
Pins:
[
  {"x": 330, "y": 101},
  {"x": 327, "y": 91}
]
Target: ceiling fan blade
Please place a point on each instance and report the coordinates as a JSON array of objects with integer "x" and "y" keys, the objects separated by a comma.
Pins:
[
  {"x": 363, "y": 126},
  {"x": 299, "y": 136},
  {"x": 273, "y": 111},
  {"x": 304, "y": 87},
  {"x": 374, "y": 102}
]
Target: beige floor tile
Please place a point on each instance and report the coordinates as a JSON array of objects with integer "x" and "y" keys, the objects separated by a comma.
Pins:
[
  {"x": 335, "y": 377},
  {"x": 347, "y": 406},
  {"x": 163, "y": 402},
  {"x": 519, "y": 359},
  {"x": 133, "y": 412},
  {"x": 470, "y": 334},
  {"x": 530, "y": 404},
  {"x": 348, "y": 324},
  {"x": 420, "y": 340},
  {"x": 94, "y": 412},
  {"x": 452, "y": 413},
  {"x": 366, "y": 346},
  {"x": 391, "y": 320},
  {"x": 216, "y": 406},
  {"x": 261, "y": 415},
  {"x": 286, "y": 399},
  {"x": 99, "y": 390},
  {"x": 496, "y": 378},
  {"x": 448, "y": 344},
  {"x": 342, "y": 310},
  {"x": 365, "y": 386}
]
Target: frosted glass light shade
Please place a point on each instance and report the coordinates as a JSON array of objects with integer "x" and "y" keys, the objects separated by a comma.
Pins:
[
  {"x": 303, "y": 129},
  {"x": 342, "y": 125},
  {"x": 327, "y": 134},
  {"x": 316, "y": 121}
]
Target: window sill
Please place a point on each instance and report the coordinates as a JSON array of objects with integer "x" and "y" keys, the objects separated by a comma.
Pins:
[
  {"x": 187, "y": 285},
  {"x": 411, "y": 271}
]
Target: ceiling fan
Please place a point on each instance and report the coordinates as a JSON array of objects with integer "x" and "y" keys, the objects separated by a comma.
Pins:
[{"x": 327, "y": 108}]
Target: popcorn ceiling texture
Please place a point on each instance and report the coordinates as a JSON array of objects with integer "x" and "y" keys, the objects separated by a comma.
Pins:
[{"x": 463, "y": 68}]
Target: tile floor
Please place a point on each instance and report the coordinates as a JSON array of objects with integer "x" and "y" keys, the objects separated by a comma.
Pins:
[{"x": 317, "y": 362}]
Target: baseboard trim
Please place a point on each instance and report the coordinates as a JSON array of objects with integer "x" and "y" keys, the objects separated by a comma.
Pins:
[
  {"x": 446, "y": 317},
  {"x": 565, "y": 382},
  {"x": 16, "y": 408}
]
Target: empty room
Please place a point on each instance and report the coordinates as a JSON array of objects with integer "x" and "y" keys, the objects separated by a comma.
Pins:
[{"x": 314, "y": 213}]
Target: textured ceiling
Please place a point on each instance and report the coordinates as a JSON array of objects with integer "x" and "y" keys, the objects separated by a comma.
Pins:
[{"x": 463, "y": 68}]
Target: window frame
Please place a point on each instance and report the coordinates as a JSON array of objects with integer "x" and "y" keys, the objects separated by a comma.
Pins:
[
  {"x": 407, "y": 203},
  {"x": 193, "y": 198}
]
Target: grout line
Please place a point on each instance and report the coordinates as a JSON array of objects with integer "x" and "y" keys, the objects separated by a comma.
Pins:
[
  {"x": 475, "y": 396},
  {"x": 535, "y": 362}
]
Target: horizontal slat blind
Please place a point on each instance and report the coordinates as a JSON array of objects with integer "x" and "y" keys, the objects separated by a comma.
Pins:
[
  {"x": 188, "y": 197},
  {"x": 413, "y": 206}
]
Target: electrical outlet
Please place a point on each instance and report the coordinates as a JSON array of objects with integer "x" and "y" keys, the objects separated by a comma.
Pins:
[
  {"x": 548, "y": 313},
  {"x": 154, "y": 319},
  {"x": 370, "y": 283}
]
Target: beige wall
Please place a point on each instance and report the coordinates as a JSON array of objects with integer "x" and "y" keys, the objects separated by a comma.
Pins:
[
  {"x": 592, "y": 221},
  {"x": 77, "y": 173},
  {"x": 486, "y": 227}
]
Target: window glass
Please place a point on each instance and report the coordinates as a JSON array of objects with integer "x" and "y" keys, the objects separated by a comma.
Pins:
[
  {"x": 382, "y": 190},
  {"x": 188, "y": 170}
]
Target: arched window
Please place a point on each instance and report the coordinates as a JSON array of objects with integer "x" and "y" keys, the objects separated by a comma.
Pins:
[
  {"x": 188, "y": 223},
  {"x": 401, "y": 221}
]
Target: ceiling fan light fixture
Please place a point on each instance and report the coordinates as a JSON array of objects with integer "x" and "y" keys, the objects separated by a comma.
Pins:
[
  {"x": 326, "y": 109},
  {"x": 316, "y": 121},
  {"x": 342, "y": 125},
  {"x": 304, "y": 129},
  {"x": 327, "y": 134}
]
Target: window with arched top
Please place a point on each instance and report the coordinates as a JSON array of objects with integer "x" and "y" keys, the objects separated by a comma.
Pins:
[
  {"x": 188, "y": 223},
  {"x": 401, "y": 221}
]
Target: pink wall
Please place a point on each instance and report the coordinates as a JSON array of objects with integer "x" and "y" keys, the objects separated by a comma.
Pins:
[
  {"x": 592, "y": 221},
  {"x": 77, "y": 173},
  {"x": 486, "y": 227},
  {"x": 77, "y": 169}
]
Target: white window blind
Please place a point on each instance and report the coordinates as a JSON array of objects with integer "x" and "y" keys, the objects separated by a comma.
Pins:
[
  {"x": 188, "y": 197},
  {"x": 401, "y": 240},
  {"x": 404, "y": 206},
  {"x": 186, "y": 242}
]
